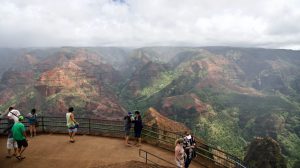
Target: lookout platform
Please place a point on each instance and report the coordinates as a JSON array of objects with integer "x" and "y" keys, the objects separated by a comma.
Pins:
[{"x": 55, "y": 151}]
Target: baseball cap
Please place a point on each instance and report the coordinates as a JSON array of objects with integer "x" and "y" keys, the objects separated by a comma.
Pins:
[{"x": 21, "y": 118}]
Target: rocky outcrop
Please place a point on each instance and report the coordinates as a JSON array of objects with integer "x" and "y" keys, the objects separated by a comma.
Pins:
[
  {"x": 154, "y": 119},
  {"x": 265, "y": 153},
  {"x": 189, "y": 104}
]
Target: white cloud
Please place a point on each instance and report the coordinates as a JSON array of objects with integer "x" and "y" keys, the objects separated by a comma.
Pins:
[{"x": 250, "y": 23}]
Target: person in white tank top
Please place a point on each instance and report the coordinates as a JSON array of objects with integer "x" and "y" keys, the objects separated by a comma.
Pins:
[{"x": 72, "y": 124}]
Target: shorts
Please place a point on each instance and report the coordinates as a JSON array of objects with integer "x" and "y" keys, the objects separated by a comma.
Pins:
[
  {"x": 137, "y": 133},
  {"x": 127, "y": 131},
  {"x": 179, "y": 163},
  {"x": 32, "y": 122},
  {"x": 72, "y": 130},
  {"x": 22, "y": 143},
  {"x": 11, "y": 143}
]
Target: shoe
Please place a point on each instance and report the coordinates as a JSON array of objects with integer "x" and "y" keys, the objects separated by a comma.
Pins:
[
  {"x": 8, "y": 156},
  {"x": 20, "y": 157}
]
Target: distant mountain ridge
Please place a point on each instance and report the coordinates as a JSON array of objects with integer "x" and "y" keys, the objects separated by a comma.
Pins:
[{"x": 226, "y": 95}]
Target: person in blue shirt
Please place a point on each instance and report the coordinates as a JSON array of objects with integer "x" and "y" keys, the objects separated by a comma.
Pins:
[{"x": 32, "y": 120}]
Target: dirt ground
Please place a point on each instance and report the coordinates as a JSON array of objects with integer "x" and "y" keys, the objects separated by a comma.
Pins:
[{"x": 55, "y": 151}]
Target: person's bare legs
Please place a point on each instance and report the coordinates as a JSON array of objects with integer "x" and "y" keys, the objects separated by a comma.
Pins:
[
  {"x": 34, "y": 129},
  {"x": 15, "y": 151},
  {"x": 8, "y": 153},
  {"x": 139, "y": 141},
  {"x": 127, "y": 140},
  {"x": 136, "y": 141},
  {"x": 9, "y": 150},
  {"x": 73, "y": 135},
  {"x": 70, "y": 135},
  {"x": 19, "y": 153},
  {"x": 31, "y": 130},
  {"x": 22, "y": 150}
]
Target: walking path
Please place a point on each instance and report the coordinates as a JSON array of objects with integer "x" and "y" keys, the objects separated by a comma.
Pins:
[{"x": 55, "y": 151}]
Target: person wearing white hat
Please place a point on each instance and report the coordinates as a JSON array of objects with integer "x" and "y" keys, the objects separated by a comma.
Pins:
[{"x": 13, "y": 114}]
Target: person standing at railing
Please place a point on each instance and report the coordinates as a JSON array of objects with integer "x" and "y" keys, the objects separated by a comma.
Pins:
[
  {"x": 179, "y": 153},
  {"x": 127, "y": 127},
  {"x": 32, "y": 120},
  {"x": 138, "y": 126},
  {"x": 189, "y": 144},
  {"x": 72, "y": 124},
  {"x": 13, "y": 114}
]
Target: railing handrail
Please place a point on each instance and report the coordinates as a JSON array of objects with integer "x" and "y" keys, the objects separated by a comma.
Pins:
[
  {"x": 167, "y": 136},
  {"x": 147, "y": 158}
]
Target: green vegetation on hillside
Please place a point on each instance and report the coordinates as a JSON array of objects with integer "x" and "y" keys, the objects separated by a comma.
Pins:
[
  {"x": 164, "y": 79},
  {"x": 240, "y": 117}
]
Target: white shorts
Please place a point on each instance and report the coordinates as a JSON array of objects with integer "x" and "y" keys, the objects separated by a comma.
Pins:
[
  {"x": 179, "y": 163},
  {"x": 11, "y": 143},
  {"x": 72, "y": 130}
]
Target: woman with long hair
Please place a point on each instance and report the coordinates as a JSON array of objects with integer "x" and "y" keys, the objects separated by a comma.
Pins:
[
  {"x": 179, "y": 153},
  {"x": 32, "y": 120}
]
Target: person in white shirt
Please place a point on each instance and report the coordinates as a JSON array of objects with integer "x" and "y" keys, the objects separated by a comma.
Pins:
[
  {"x": 179, "y": 153},
  {"x": 13, "y": 114}
]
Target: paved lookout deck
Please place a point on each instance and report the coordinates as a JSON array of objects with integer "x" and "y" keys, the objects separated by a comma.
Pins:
[{"x": 55, "y": 151}]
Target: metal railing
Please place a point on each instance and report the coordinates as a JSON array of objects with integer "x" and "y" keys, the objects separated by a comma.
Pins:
[
  {"x": 207, "y": 156},
  {"x": 154, "y": 160}
]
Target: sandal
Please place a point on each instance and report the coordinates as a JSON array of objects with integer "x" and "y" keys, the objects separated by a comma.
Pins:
[{"x": 20, "y": 157}]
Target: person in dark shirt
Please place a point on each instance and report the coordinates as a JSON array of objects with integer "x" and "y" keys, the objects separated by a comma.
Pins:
[
  {"x": 127, "y": 126},
  {"x": 189, "y": 144},
  {"x": 138, "y": 126}
]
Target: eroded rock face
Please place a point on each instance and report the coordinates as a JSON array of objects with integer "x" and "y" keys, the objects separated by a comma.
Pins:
[
  {"x": 265, "y": 153},
  {"x": 154, "y": 118}
]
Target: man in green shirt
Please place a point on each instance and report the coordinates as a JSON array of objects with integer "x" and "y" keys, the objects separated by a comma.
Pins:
[{"x": 19, "y": 135}]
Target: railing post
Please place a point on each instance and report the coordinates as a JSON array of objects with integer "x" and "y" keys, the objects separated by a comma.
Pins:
[
  {"x": 146, "y": 157},
  {"x": 89, "y": 126},
  {"x": 43, "y": 125}
]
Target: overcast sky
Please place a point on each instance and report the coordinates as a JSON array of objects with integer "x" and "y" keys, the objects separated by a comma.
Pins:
[{"x": 245, "y": 23}]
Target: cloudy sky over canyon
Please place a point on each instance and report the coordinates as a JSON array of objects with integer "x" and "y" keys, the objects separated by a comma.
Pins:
[{"x": 135, "y": 23}]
